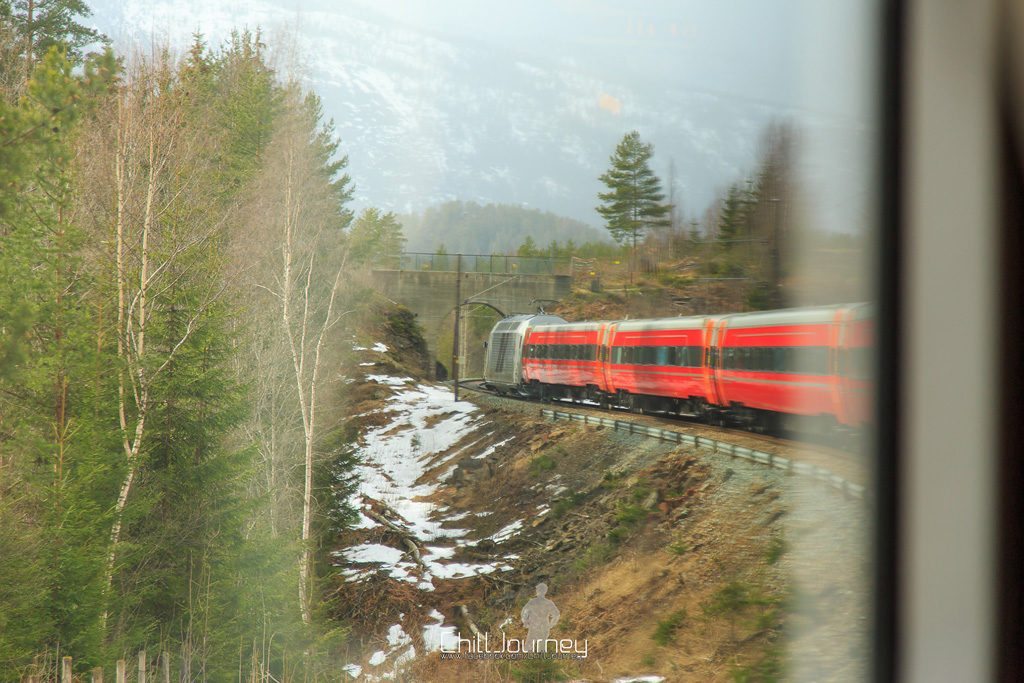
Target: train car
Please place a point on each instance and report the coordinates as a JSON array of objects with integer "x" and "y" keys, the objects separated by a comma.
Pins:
[
  {"x": 503, "y": 362},
  {"x": 563, "y": 360},
  {"x": 855, "y": 364},
  {"x": 778, "y": 363},
  {"x": 790, "y": 368},
  {"x": 659, "y": 365}
]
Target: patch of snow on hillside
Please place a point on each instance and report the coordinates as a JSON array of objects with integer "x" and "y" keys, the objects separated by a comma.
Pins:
[
  {"x": 507, "y": 532},
  {"x": 423, "y": 422},
  {"x": 390, "y": 381},
  {"x": 490, "y": 449},
  {"x": 436, "y": 636}
]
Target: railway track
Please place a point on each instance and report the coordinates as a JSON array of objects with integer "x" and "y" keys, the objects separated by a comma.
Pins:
[{"x": 840, "y": 469}]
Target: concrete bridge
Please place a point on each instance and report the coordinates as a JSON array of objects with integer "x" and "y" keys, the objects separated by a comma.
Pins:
[{"x": 519, "y": 285}]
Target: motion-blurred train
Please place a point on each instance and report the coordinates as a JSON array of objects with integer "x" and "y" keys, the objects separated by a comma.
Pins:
[{"x": 802, "y": 368}]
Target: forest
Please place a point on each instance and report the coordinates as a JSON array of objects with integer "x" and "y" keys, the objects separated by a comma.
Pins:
[{"x": 175, "y": 240}]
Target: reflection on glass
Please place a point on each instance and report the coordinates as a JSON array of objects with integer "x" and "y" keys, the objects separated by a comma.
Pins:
[{"x": 641, "y": 238}]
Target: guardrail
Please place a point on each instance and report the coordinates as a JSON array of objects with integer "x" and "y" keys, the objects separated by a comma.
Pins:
[{"x": 770, "y": 459}]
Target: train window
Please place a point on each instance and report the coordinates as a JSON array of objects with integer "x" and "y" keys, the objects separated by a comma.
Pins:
[
  {"x": 676, "y": 355},
  {"x": 661, "y": 357},
  {"x": 855, "y": 363}
]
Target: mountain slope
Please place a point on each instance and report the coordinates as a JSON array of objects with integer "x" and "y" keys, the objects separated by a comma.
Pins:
[{"x": 429, "y": 118}]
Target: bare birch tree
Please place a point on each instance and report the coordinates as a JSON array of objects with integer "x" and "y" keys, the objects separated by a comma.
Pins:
[{"x": 303, "y": 272}]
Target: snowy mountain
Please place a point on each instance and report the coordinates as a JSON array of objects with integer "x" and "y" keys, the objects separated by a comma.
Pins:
[{"x": 427, "y": 117}]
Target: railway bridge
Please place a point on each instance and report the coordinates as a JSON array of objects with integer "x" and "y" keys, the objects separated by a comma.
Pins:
[{"x": 487, "y": 286}]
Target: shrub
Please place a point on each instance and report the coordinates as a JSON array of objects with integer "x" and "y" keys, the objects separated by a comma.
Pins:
[
  {"x": 568, "y": 503},
  {"x": 665, "y": 633},
  {"x": 678, "y": 548},
  {"x": 542, "y": 463}
]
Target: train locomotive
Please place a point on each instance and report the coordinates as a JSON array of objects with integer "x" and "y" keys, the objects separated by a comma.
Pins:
[{"x": 805, "y": 369}]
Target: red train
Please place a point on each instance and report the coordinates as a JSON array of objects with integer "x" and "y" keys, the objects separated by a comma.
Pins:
[{"x": 758, "y": 370}]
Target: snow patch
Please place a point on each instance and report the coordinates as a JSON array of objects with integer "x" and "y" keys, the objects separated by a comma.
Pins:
[
  {"x": 436, "y": 636},
  {"x": 372, "y": 552},
  {"x": 423, "y": 423},
  {"x": 490, "y": 449},
  {"x": 506, "y": 532},
  {"x": 390, "y": 381},
  {"x": 397, "y": 637}
]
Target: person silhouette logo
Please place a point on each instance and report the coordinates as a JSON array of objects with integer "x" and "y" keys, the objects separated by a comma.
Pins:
[{"x": 539, "y": 615}]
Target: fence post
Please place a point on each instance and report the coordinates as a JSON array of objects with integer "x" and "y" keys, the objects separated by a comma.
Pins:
[
  {"x": 65, "y": 670},
  {"x": 165, "y": 661},
  {"x": 142, "y": 666},
  {"x": 97, "y": 675},
  {"x": 121, "y": 675}
]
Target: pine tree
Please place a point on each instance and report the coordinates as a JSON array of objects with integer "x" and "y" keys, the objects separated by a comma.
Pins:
[
  {"x": 528, "y": 248},
  {"x": 375, "y": 236},
  {"x": 43, "y": 24},
  {"x": 733, "y": 216},
  {"x": 52, "y": 402},
  {"x": 633, "y": 203},
  {"x": 247, "y": 101}
]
